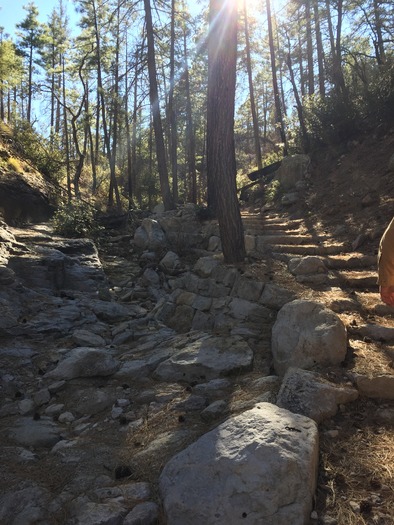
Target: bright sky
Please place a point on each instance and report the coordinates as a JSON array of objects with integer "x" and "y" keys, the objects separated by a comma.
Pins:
[{"x": 12, "y": 12}]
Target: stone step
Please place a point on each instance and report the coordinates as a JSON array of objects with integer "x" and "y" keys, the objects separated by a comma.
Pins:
[
  {"x": 352, "y": 260},
  {"x": 285, "y": 240},
  {"x": 279, "y": 220},
  {"x": 281, "y": 227},
  {"x": 361, "y": 279},
  {"x": 279, "y": 231},
  {"x": 329, "y": 249}
]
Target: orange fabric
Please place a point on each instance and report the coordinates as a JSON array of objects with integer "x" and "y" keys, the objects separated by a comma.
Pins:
[{"x": 386, "y": 257}]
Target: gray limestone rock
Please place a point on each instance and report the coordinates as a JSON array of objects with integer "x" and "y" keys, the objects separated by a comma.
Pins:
[
  {"x": 31, "y": 433},
  {"x": 294, "y": 168},
  {"x": 90, "y": 401},
  {"x": 206, "y": 358},
  {"x": 85, "y": 362},
  {"x": 110, "y": 312},
  {"x": 150, "y": 235},
  {"x": 275, "y": 297},
  {"x": 90, "y": 513},
  {"x": 377, "y": 387},
  {"x": 214, "y": 410},
  {"x": 170, "y": 263},
  {"x": 257, "y": 467},
  {"x": 307, "y": 265},
  {"x": 307, "y": 393},
  {"x": 25, "y": 506},
  {"x": 306, "y": 334},
  {"x": 146, "y": 513},
  {"x": 205, "y": 266},
  {"x": 87, "y": 338}
]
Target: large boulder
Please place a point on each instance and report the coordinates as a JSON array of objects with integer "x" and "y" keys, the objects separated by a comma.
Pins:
[
  {"x": 257, "y": 468},
  {"x": 292, "y": 170},
  {"x": 306, "y": 334},
  {"x": 150, "y": 235}
]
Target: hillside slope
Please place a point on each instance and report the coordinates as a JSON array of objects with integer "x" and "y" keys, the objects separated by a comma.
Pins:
[
  {"x": 25, "y": 195},
  {"x": 353, "y": 193}
]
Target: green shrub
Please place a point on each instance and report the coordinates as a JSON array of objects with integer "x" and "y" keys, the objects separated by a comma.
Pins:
[
  {"x": 76, "y": 219},
  {"x": 35, "y": 148},
  {"x": 331, "y": 120},
  {"x": 273, "y": 191}
]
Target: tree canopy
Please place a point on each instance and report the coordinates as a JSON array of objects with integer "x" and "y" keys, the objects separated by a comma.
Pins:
[{"x": 123, "y": 95}]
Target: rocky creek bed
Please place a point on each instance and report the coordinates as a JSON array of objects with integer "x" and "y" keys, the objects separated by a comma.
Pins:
[{"x": 147, "y": 382}]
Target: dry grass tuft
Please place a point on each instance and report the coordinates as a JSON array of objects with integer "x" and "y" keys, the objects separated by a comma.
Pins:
[{"x": 15, "y": 164}]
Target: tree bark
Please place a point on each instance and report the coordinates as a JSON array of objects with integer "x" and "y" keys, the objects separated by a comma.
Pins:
[
  {"x": 319, "y": 48},
  {"x": 256, "y": 131},
  {"x": 190, "y": 138},
  {"x": 100, "y": 87},
  {"x": 300, "y": 112},
  {"x": 221, "y": 164},
  {"x": 278, "y": 109},
  {"x": 172, "y": 110},
  {"x": 154, "y": 102},
  {"x": 309, "y": 48}
]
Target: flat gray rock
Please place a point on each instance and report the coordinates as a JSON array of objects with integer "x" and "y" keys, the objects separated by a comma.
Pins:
[
  {"x": 30, "y": 433},
  {"x": 307, "y": 393},
  {"x": 206, "y": 358},
  {"x": 85, "y": 362}
]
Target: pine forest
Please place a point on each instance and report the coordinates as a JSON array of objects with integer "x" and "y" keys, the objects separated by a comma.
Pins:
[{"x": 117, "y": 107}]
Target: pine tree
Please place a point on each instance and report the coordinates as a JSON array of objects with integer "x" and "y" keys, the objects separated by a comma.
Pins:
[
  {"x": 31, "y": 42},
  {"x": 221, "y": 165}
]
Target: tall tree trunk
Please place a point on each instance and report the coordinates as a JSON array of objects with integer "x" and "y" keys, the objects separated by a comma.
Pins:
[
  {"x": 30, "y": 85},
  {"x": 2, "y": 108},
  {"x": 278, "y": 109},
  {"x": 133, "y": 173},
  {"x": 300, "y": 58},
  {"x": 222, "y": 60},
  {"x": 256, "y": 131},
  {"x": 378, "y": 43},
  {"x": 53, "y": 98},
  {"x": 81, "y": 153},
  {"x": 171, "y": 109},
  {"x": 336, "y": 53},
  {"x": 339, "y": 78},
  {"x": 114, "y": 131},
  {"x": 190, "y": 138},
  {"x": 128, "y": 136},
  {"x": 309, "y": 48},
  {"x": 58, "y": 105},
  {"x": 66, "y": 142},
  {"x": 154, "y": 101},
  {"x": 100, "y": 88},
  {"x": 304, "y": 134},
  {"x": 319, "y": 48}
]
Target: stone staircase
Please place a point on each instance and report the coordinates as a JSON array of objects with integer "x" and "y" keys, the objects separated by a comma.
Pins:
[{"x": 348, "y": 286}]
